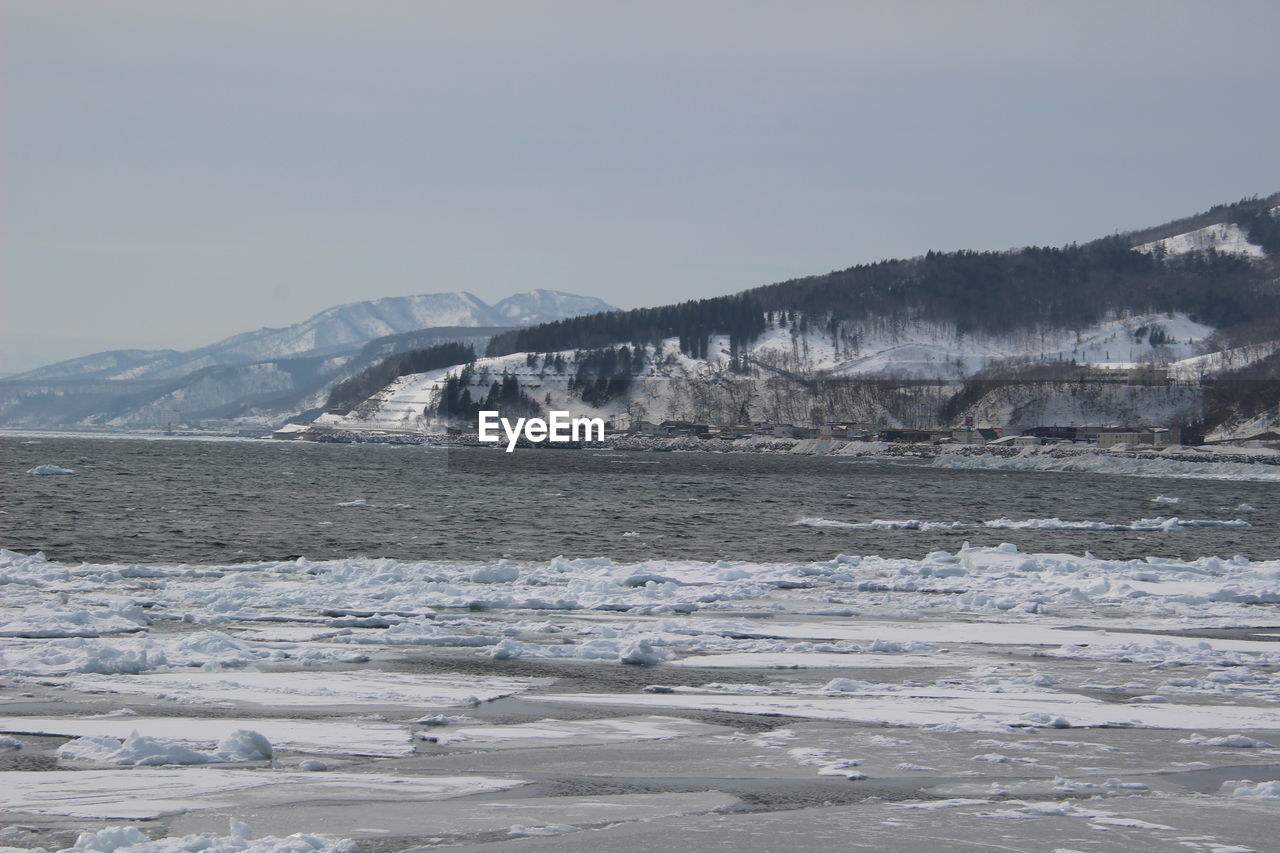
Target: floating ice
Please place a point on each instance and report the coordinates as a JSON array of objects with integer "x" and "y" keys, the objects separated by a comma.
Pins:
[
  {"x": 1050, "y": 524},
  {"x": 128, "y": 793},
  {"x": 354, "y": 737},
  {"x": 310, "y": 689},
  {"x": 553, "y": 732},
  {"x": 49, "y": 469},
  {"x": 884, "y": 524},
  {"x": 1158, "y": 523},
  {"x": 1237, "y": 741},
  {"x": 1250, "y": 790},
  {"x": 1111, "y": 463},
  {"x": 956, "y": 709},
  {"x": 140, "y": 751},
  {"x": 642, "y": 653}
]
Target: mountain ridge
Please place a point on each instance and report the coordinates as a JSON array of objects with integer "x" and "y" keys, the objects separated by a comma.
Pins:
[
  {"x": 1124, "y": 326},
  {"x": 260, "y": 377},
  {"x": 334, "y": 329}
]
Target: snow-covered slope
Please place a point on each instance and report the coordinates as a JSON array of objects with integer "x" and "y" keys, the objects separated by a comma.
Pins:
[
  {"x": 1225, "y": 238},
  {"x": 258, "y": 378},
  {"x": 343, "y": 328},
  {"x": 545, "y": 306},
  {"x": 358, "y": 322},
  {"x": 113, "y": 364},
  {"x": 931, "y": 362},
  {"x": 933, "y": 351}
]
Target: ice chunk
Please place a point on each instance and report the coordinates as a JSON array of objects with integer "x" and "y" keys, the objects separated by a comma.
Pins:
[
  {"x": 244, "y": 745},
  {"x": 136, "y": 750},
  {"x": 1236, "y": 741},
  {"x": 642, "y": 653},
  {"x": 140, "y": 751},
  {"x": 49, "y": 469},
  {"x": 115, "y": 838},
  {"x": 109, "y": 839},
  {"x": 1248, "y": 789}
]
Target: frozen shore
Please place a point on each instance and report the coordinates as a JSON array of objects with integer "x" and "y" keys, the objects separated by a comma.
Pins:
[
  {"x": 1177, "y": 462},
  {"x": 587, "y": 704}
]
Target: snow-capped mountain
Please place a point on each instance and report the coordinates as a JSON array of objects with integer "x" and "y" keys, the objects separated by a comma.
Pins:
[
  {"x": 337, "y": 329},
  {"x": 545, "y": 306},
  {"x": 268, "y": 374},
  {"x": 358, "y": 322}
]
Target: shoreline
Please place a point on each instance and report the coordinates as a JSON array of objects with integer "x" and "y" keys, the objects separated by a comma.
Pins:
[
  {"x": 1175, "y": 461},
  {"x": 820, "y": 447}
]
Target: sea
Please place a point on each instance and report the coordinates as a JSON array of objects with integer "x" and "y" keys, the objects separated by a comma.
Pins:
[{"x": 180, "y": 500}]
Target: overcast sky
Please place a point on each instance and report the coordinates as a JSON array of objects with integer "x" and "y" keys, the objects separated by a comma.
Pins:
[{"x": 173, "y": 173}]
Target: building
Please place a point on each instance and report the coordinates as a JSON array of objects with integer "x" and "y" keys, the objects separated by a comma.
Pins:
[
  {"x": 1018, "y": 441},
  {"x": 1140, "y": 436},
  {"x": 848, "y": 430},
  {"x": 1055, "y": 433},
  {"x": 1137, "y": 374},
  {"x": 913, "y": 436},
  {"x": 972, "y": 435},
  {"x": 673, "y": 429}
]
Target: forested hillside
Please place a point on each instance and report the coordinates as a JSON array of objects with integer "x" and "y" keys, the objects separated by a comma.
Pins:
[
  {"x": 1177, "y": 324},
  {"x": 975, "y": 292}
]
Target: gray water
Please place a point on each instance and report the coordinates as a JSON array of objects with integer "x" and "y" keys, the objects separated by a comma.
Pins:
[{"x": 176, "y": 500}]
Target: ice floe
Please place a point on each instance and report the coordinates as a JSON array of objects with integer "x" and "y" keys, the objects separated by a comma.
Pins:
[
  {"x": 240, "y": 840},
  {"x": 1097, "y": 463},
  {"x": 307, "y": 689},
  {"x": 1248, "y": 789},
  {"x": 140, "y": 751},
  {"x": 341, "y": 736},
  {"x": 553, "y": 732},
  {"x": 149, "y": 793},
  {"x": 954, "y": 709}
]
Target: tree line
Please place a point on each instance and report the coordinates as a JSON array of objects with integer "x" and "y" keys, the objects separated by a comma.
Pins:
[
  {"x": 1070, "y": 287},
  {"x": 349, "y": 393}
]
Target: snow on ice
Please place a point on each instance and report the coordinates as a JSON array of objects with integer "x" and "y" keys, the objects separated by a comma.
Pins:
[{"x": 977, "y": 646}]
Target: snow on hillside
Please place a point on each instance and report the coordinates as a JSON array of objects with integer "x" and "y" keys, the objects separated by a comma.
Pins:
[
  {"x": 545, "y": 306},
  {"x": 1197, "y": 367},
  {"x": 208, "y": 391},
  {"x": 671, "y": 383},
  {"x": 1022, "y": 406},
  {"x": 928, "y": 351},
  {"x": 347, "y": 325},
  {"x": 343, "y": 327},
  {"x": 1226, "y": 238},
  {"x": 1268, "y": 421},
  {"x": 116, "y": 364}
]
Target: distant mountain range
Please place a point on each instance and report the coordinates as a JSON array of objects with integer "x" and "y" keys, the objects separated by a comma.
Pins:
[
  {"x": 335, "y": 330},
  {"x": 1175, "y": 324},
  {"x": 264, "y": 375}
]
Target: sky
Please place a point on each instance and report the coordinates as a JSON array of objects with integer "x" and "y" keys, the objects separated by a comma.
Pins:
[{"x": 174, "y": 173}]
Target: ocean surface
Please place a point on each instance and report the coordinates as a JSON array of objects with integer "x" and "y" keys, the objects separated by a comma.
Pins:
[{"x": 180, "y": 500}]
